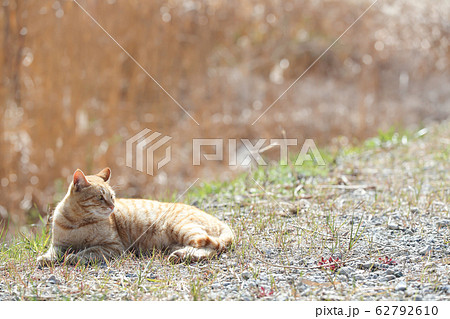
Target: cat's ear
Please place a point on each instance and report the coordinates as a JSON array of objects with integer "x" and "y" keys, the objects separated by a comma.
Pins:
[
  {"x": 105, "y": 174},
  {"x": 79, "y": 180}
]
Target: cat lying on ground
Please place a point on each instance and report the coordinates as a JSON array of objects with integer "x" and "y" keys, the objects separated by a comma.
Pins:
[{"x": 90, "y": 224}]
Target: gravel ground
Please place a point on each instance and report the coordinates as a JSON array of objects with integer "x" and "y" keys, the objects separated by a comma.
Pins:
[{"x": 375, "y": 226}]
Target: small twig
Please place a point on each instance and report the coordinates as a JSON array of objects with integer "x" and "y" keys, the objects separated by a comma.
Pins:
[
  {"x": 347, "y": 186},
  {"x": 303, "y": 196}
]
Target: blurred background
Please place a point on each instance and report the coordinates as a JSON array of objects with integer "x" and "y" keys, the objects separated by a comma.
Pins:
[{"x": 70, "y": 97}]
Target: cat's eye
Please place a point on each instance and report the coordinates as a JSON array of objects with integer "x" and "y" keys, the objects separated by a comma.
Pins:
[{"x": 101, "y": 197}]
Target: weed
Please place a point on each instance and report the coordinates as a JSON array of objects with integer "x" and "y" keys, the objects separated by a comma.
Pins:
[{"x": 331, "y": 263}]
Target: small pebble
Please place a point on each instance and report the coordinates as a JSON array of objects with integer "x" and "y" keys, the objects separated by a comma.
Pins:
[
  {"x": 343, "y": 180},
  {"x": 425, "y": 250},
  {"x": 306, "y": 292},
  {"x": 416, "y": 259},
  {"x": 387, "y": 278},
  {"x": 443, "y": 223},
  {"x": 215, "y": 286},
  {"x": 52, "y": 280},
  {"x": 401, "y": 286},
  {"x": 290, "y": 279},
  {"x": 246, "y": 275},
  {"x": 393, "y": 227},
  {"x": 389, "y": 272},
  {"x": 359, "y": 277},
  {"x": 446, "y": 288},
  {"x": 409, "y": 292},
  {"x": 263, "y": 276},
  {"x": 282, "y": 298},
  {"x": 346, "y": 271},
  {"x": 368, "y": 265}
]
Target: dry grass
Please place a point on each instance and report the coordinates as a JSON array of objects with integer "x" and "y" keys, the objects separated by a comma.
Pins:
[{"x": 70, "y": 97}]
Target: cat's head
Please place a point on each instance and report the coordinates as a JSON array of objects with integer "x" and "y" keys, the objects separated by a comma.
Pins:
[{"x": 92, "y": 193}]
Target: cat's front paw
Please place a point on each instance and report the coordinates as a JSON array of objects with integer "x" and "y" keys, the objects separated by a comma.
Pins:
[
  {"x": 176, "y": 257},
  {"x": 185, "y": 254}
]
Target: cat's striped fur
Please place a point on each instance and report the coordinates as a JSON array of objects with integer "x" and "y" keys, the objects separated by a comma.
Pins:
[{"x": 91, "y": 224}]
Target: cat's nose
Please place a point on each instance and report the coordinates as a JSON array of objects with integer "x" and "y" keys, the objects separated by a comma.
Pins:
[{"x": 111, "y": 207}]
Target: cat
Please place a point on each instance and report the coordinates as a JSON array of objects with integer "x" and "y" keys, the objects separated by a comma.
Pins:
[{"x": 90, "y": 224}]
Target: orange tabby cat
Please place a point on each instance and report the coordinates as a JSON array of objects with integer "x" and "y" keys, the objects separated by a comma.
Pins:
[{"x": 91, "y": 224}]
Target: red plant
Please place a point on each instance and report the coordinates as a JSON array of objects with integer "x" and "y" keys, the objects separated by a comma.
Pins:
[
  {"x": 387, "y": 261},
  {"x": 331, "y": 263},
  {"x": 263, "y": 293}
]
